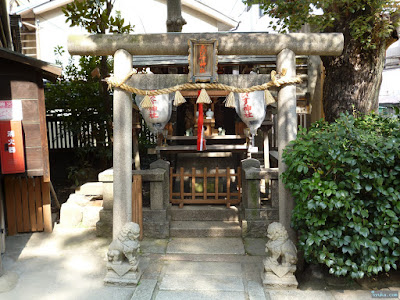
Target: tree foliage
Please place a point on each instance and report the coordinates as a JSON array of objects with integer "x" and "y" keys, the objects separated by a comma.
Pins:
[
  {"x": 80, "y": 97},
  {"x": 344, "y": 177},
  {"x": 352, "y": 79},
  {"x": 95, "y": 16},
  {"x": 75, "y": 101},
  {"x": 369, "y": 22}
]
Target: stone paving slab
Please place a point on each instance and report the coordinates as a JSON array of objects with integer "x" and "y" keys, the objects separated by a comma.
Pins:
[
  {"x": 353, "y": 295},
  {"x": 144, "y": 290},
  {"x": 197, "y": 282},
  {"x": 206, "y": 246},
  {"x": 200, "y": 295},
  {"x": 203, "y": 268},
  {"x": 255, "y": 290},
  {"x": 157, "y": 246},
  {"x": 299, "y": 295}
]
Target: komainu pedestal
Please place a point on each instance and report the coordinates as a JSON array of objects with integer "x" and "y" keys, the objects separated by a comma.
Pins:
[
  {"x": 122, "y": 261},
  {"x": 280, "y": 264}
]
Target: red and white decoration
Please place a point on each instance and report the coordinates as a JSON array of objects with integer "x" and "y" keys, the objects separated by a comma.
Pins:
[
  {"x": 251, "y": 109},
  {"x": 158, "y": 115},
  {"x": 201, "y": 142}
]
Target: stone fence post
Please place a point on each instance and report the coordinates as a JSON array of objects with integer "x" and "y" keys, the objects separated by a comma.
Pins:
[
  {"x": 255, "y": 217},
  {"x": 155, "y": 222}
]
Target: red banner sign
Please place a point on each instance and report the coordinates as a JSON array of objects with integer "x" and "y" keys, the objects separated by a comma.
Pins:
[{"x": 12, "y": 147}]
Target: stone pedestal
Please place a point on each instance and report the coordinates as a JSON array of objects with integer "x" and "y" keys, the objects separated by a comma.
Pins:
[
  {"x": 272, "y": 281},
  {"x": 122, "y": 257},
  {"x": 122, "y": 275},
  {"x": 280, "y": 263}
]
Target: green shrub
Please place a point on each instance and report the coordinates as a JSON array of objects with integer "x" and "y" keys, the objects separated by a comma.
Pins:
[{"x": 345, "y": 179}]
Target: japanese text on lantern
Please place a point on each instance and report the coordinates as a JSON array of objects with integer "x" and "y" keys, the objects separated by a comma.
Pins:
[
  {"x": 246, "y": 106},
  {"x": 153, "y": 109},
  {"x": 202, "y": 59}
]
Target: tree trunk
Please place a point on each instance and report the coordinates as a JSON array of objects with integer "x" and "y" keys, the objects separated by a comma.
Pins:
[
  {"x": 353, "y": 79},
  {"x": 174, "y": 16}
]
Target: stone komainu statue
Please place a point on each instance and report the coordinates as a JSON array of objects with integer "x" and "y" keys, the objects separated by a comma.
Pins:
[
  {"x": 123, "y": 262},
  {"x": 280, "y": 247},
  {"x": 280, "y": 263},
  {"x": 126, "y": 245}
]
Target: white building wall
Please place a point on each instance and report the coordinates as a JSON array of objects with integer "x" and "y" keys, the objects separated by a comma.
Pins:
[
  {"x": 390, "y": 88},
  {"x": 148, "y": 17},
  {"x": 53, "y": 31}
]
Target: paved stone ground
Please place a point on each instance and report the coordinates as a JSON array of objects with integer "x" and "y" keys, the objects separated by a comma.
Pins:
[{"x": 70, "y": 264}]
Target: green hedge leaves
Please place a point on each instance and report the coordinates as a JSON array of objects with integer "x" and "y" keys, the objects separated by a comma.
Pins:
[{"x": 345, "y": 179}]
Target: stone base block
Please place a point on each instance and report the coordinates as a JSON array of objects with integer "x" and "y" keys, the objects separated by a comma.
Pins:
[
  {"x": 255, "y": 228},
  {"x": 128, "y": 279},
  {"x": 106, "y": 216},
  {"x": 269, "y": 214},
  {"x": 157, "y": 230},
  {"x": 272, "y": 281},
  {"x": 71, "y": 215},
  {"x": 103, "y": 229},
  {"x": 151, "y": 215},
  {"x": 91, "y": 215},
  {"x": 90, "y": 188}
]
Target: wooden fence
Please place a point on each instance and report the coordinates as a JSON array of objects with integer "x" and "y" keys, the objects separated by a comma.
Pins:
[
  {"x": 60, "y": 136},
  {"x": 210, "y": 188},
  {"x": 28, "y": 204}
]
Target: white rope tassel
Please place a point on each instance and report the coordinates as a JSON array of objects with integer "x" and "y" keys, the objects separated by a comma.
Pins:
[
  {"x": 268, "y": 98},
  {"x": 146, "y": 102},
  {"x": 203, "y": 97},
  {"x": 179, "y": 99},
  {"x": 230, "y": 100}
]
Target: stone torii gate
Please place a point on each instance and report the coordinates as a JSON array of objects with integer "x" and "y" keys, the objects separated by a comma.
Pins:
[{"x": 285, "y": 46}]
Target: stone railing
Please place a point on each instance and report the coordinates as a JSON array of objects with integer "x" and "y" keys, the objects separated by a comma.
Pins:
[
  {"x": 155, "y": 222},
  {"x": 255, "y": 216}
]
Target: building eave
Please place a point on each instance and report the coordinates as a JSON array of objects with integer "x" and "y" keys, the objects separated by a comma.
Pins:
[
  {"x": 49, "y": 70},
  {"x": 215, "y": 14}
]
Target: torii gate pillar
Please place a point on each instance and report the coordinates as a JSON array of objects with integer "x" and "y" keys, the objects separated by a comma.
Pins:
[
  {"x": 122, "y": 149},
  {"x": 287, "y": 131}
]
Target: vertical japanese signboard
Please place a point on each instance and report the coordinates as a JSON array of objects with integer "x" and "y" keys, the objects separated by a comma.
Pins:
[
  {"x": 203, "y": 61},
  {"x": 11, "y": 137}
]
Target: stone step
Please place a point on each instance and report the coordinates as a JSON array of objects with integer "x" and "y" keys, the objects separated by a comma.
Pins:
[
  {"x": 90, "y": 188},
  {"x": 205, "y": 229},
  {"x": 204, "y": 213}
]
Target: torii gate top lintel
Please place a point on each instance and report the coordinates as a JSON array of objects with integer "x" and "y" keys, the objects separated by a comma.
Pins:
[{"x": 229, "y": 43}]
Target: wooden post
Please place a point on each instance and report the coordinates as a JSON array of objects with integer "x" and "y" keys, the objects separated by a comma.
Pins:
[
  {"x": 228, "y": 187},
  {"x": 135, "y": 142},
  {"x": 266, "y": 150},
  {"x": 216, "y": 183},
  {"x": 205, "y": 183},
  {"x": 18, "y": 204},
  {"x": 39, "y": 205},
  {"x": 47, "y": 222},
  {"x": 193, "y": 183},
  {"x": 137, "y": 200},
  {"x": 25, "y": 205},
  {"x": 32, "y": 206},
  {"x": 170, "y": 184},
  {"x": 182, "y": 186},
  {"x": 10, "y": 203}
]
